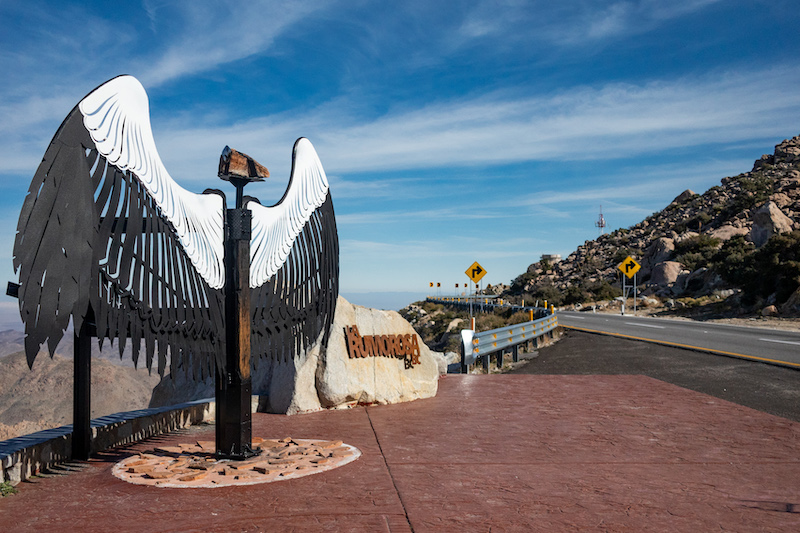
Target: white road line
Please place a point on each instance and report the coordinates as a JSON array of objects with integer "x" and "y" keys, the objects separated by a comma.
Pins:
[
  {"x": 577, "y": 317},
  {"x": 780, "y": 341},
  {"x": 644, "y": 325}
]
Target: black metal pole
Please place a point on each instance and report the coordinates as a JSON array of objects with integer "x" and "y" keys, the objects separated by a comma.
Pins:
[
  {"x": 82, "y": 391},
  {"x": 234, "y": 385},
  {"x": 464, "y": 366}
]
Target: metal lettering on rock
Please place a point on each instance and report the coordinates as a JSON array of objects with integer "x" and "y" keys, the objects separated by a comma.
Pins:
[{"x": 404, "y": 347}]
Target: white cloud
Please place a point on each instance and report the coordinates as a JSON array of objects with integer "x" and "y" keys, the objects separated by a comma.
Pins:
[
  {"x": 585, "y": 123},
  {"x": 213, "y": 35},
  {"x": 592, "y": 22},
  {"x": 567, "y": 23}
]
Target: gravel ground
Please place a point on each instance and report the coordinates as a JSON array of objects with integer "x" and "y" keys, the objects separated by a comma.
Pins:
[{"x": 768, "y": 388}]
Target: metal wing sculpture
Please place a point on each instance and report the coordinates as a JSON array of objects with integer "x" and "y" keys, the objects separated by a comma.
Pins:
[{"x": 106, "y": 236}]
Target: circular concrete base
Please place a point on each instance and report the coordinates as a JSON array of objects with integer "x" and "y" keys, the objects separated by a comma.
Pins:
[{"x": 195, "y": 465}]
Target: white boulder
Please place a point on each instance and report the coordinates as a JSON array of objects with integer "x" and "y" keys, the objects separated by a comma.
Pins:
[
  {"x": 666, "y": 273},
  {"x": 769, "y": 220},
  {"x": 342, "y": 380},
  {"x": 329, "y": 377}
]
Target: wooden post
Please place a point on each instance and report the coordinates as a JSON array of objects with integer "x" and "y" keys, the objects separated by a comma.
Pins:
[{"x": 234, "y": 386}]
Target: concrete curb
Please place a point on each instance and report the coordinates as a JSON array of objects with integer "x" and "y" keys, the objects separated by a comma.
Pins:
[{"x": 26, "y": 456}]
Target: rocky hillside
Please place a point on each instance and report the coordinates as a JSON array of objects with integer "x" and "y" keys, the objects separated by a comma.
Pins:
[
  {"x": 734, "y": 248},
  {"x": 41, "y": 398}
]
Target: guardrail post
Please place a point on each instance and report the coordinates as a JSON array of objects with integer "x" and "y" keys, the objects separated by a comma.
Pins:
[
  {"x": 464, "y": 366},
  {"x": 485, "y": 362},
  {"x": 515, "y": 353},
  {"x": 500, "y": 359}
]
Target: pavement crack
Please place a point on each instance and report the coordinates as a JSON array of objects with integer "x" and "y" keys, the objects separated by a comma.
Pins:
[{"x": 389, "y": 470}]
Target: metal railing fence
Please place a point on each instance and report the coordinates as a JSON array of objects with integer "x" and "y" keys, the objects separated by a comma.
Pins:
[{"x": 475, "y": 345}]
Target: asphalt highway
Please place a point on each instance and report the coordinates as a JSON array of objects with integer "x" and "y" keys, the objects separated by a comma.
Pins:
[
  {"x": 765, "y": 345},
  {"x": 766, "y": 387}
]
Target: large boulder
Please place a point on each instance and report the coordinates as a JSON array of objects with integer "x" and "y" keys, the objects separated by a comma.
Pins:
[
  {"x": 792, "y": 305},
  {"x": 328, "y": 377},
  {"x": 685, "y": 236},
  {"x": 659, "y": 251},
  {"x": 342, "y": 380},
  {"x": 701, "y": 281},
  {"x": 788, "y": 151},
  {"x": 727, "y": 231},
  {"x": 688, "y": 194},
  {"x": 666, "y": 273},
  {"x": 769, "y": 220}
]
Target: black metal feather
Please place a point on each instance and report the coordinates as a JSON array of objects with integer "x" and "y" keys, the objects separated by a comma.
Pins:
[
  {"x": 91, "y": 235},
  {"x": 92, "y": 242},
  {"x": 292, "y": 309}
]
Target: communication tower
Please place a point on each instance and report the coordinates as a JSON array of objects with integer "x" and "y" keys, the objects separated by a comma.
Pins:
[{"x": 601, "y": 222}]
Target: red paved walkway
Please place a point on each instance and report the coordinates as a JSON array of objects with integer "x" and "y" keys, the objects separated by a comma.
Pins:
[{"x": 499, "y": 453}]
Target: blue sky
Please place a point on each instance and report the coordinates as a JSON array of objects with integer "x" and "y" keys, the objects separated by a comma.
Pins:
[{"x": 450, "y": 131}]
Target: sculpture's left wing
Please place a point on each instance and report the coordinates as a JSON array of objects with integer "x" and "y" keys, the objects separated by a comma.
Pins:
[
  {"x": 106, "y": 235},
  {"x": 294, "y": 269}
]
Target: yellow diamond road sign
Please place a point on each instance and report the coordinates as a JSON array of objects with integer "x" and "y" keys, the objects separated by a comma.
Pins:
[
  {"x": 629, "y": 267},
  {"x": 475, "y": 272}
]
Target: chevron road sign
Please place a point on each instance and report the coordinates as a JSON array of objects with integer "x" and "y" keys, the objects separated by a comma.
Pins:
[
  {"x": 475, "y": 272},
  {"x": 629, "y": 267}
]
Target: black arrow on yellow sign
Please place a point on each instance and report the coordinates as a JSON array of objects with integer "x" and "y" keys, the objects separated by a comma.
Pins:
[
  {"x": 629, "y": 265},
  {"x": 476, "y": 271}
]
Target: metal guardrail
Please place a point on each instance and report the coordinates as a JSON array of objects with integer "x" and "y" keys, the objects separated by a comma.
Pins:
[
  {"x": 488, "y": 303},
  {"x": 482, "y": 344}
]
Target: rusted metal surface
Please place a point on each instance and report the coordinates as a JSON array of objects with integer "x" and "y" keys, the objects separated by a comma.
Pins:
[
  {"x": 234, "y": 385},
  {"x": 235, "y": 164}
]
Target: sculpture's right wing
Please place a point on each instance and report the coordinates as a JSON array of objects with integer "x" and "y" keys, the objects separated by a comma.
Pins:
[
  {"x": 294, "y": 269},
  {"x": 105, "y": 234}
]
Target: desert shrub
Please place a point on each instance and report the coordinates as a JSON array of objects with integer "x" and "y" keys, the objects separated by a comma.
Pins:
[
  {"x": 603, "y": 290},
  {"x": 487, "y": 321},
  {"x": 772, "y": 269},
  {"x": 755, "y": 190},
  {"x": 518, "y": 284},
  {"x": 576, "y": 294},
  {"x": 518, "y": 317},
  {"x": 430, "y": 307},
  {"x": 6, "y": 489},
  {"x": 731, "y": 260},
  {"x": 697, "y": 221},
  {"x": 620, "y": 255},
  {"x": 696, "y": 252},
  {"x": 545, "y": 291}
]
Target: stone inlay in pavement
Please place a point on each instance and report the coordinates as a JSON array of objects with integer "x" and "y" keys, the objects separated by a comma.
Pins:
[{"x": 195, "y": 465}]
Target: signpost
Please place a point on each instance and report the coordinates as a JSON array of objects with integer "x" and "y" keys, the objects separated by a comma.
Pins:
[
  {"x": 629, "y": 267},
  {"x": 475, "y": 272}
]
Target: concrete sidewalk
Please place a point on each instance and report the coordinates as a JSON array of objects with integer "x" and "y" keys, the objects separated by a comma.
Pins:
[{"x": 489, "y": 453}]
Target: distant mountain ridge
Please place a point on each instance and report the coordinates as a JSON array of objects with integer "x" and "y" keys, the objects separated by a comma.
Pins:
[
  {"x": 738, "y": 243},
  {"x": 32, "y": 400}
]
